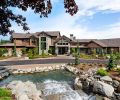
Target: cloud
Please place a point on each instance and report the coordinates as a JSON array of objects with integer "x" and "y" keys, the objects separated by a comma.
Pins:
[
  {"x": 90, "y": 7},
  {"x": 67, "y": 24}
]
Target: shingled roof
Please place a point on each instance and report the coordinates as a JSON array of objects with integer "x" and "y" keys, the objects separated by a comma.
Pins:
[
  {"x": 111, "y": 42},
  {"x": 50, "y": 33},
  {"x": 27, "y": 35},
  {"x": 21, "y": 35},
  {"x": 83, "y": 40}
]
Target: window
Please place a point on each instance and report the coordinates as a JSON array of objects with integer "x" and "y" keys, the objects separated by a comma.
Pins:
[
  {"x": 43, "y": 39},
  {"x": 43, "y": 43},
  {"x": 43, "y": 46}
]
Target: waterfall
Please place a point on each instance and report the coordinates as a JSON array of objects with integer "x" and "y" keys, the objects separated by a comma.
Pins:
[{"x": 52, "y": 87}]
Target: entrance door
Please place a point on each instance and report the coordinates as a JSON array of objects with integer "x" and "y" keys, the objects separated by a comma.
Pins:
[{"x": 62, "y": 50}]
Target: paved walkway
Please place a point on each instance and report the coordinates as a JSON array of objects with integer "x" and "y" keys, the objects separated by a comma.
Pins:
[{"x": 23, "y": 58}]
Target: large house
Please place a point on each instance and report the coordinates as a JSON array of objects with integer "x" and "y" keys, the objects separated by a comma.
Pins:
[{"x": 47, "y": 40}]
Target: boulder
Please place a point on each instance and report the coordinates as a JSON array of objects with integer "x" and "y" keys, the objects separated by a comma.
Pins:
[
  {"x": 115, "y": 83},
  {"x": 24, "y": 90},
  {"x": 103, "y": 88},
  {"x": 118, "y": 89},
  {"x": 53, "y": 97},
  {"x": 77, "y": 84},
  {"x": 106, "y": 79},
  {"x": 23, "y": 97}
]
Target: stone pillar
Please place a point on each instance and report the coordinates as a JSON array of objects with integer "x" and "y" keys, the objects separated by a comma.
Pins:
[
  {"x": 39, "y": 45},
  {"x": 56, "y": 49},
  {"x": 47, "y": 46},
  {"x": 69, "y": 49}
]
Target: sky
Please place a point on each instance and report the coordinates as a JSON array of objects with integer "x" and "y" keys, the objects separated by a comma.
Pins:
[{"x": 96, "y": 19}]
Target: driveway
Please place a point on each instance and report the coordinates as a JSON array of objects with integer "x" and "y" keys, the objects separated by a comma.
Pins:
[{"x": 52, "y": 60}]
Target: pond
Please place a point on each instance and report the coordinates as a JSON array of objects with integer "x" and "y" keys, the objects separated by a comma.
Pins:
[
  {"x": 59, "y": 75},
  {"x": 58, "y": 82}
]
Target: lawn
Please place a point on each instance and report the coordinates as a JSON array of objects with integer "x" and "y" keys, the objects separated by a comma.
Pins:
[{"x": 5, "y": 94}]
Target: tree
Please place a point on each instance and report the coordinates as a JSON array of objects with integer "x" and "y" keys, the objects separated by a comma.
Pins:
[
  {"x": 43, "y": 7},
  {"x": 14, "y": 50},
  {"x": 77, "y": 60},
  {"x": 112, "y": 62}
]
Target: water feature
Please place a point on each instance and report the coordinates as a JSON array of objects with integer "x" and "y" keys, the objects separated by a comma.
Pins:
[{"x": 52, "y": 83}]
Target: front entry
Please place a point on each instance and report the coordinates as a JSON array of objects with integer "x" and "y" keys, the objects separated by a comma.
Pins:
[{"x": 62, "y": 50}]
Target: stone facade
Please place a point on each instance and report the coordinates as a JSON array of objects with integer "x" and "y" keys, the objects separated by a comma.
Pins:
[{"x": 60, "y": 44}]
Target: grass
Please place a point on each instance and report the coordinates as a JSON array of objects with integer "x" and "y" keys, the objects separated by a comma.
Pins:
[
  {"x": 2, "y": 58},
  {"x": 5, "y": 94},
  {"x": 40, "y": 56}
]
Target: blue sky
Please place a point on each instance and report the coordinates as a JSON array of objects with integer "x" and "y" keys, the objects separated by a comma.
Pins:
[{"x": 95, "y": 19}]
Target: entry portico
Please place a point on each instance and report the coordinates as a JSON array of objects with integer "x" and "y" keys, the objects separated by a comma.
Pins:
[{"x": 62, "y": 45}]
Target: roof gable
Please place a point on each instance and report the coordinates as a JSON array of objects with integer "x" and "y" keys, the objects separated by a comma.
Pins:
[
  {"x": 96, "y": 43},
  {"x": 65, "y": 38}
]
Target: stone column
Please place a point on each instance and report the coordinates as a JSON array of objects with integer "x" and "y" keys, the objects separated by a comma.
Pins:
[
  {"x": 39, "y": 45},
  {"x": 69, "y": 49},
  {"x": 46, "y": 45},
  {"x": 56, "y": 49}
]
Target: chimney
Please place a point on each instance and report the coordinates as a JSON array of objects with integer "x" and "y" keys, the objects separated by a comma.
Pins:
[
  {"x": 74, "y": 38},
  {"x": 71, "y": 36}
]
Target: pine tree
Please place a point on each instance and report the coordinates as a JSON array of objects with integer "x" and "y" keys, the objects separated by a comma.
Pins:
[
  {"x": 14, "y": 50},
  {"x": 112, "y": 62}
]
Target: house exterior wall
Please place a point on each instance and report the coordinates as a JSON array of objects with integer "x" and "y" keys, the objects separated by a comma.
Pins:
[
  {"x": 48, "y": 43},
  {"x": 24, "y": 42},
  {"x": 84, "y": 47}
]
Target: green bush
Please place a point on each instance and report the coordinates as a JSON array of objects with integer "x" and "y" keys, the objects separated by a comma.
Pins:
[
  {"x": 35, "y": 52},
  {"x": 112, "y": 62},
  {"x": 118, "y": 69},
  {"x": 3, "y": 51},
  {"x": 5, "y": 93},
  {"x": 6, "y": 98},
  {"x": 102, "y": 72},
  {"x": 30, "y": 53},
  {"x": 94, "y": 53},
  {"x": 82, "y": 55},
  {"x": 77, "y": 61},
  {"x": 14, "y": 51},
  {"x": 24, "y": 51},
  {"x": 72, "y": 50}
]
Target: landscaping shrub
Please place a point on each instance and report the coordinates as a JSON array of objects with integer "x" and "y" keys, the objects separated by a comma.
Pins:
[
  {"x": 30, "y": 53},
  {"x": 51, "y": 50},
  {"x": 43, "y": 53},
  {"x": 93, "y": 53},
  {"x": 112, "y": 62},
  {"x": 14, "y": 51},
  {"x": 82, "y": 55},
  {"x": 3, "y": 51},
  {"x": 102, "y": 72},
  {"x": 24, "y": 51},
  {"x": 5, "y": 93},
  {"x": 118, "y": 70},
  {"x": 72, "y": 50},
  {"x": 35, "y": 52},
  {"x": 6, "y": 98}
]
